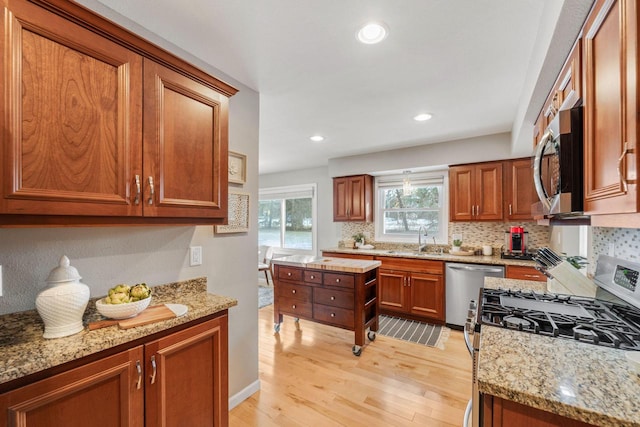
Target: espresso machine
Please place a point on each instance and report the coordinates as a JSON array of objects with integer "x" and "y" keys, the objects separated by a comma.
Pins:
[{"x": 515, "y": 244}]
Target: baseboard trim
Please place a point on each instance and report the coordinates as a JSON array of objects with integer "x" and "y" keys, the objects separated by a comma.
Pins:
[{"x": 244, "y": 394}]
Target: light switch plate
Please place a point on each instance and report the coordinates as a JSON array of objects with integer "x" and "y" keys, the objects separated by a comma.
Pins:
[{"x": 195, "y": 255}]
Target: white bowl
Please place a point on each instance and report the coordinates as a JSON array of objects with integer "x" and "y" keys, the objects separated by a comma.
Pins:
[
  {"x": 122, "y": 311},
  {"x": 633, "y": 357}
]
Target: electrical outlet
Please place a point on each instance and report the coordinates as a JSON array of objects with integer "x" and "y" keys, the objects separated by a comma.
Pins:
[{"x": 195, "y": 255}]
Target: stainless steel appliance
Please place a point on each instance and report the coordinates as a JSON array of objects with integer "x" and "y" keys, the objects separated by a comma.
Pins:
[
  {"x": 612, "y": 319},
  {"x": 463, "y": 281},
  {"x": 557, "y": 166}
]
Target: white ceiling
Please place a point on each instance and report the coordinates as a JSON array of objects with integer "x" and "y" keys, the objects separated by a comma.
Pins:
[{"x": 464, "y": 61}]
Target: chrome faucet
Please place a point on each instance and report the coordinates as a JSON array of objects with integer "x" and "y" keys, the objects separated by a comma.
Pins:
[{"x": 420, "y": 231}]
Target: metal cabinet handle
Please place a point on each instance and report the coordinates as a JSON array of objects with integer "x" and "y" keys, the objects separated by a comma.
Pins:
[
  {"x": 288, "y": 274},
  {"x": 136, "y": 199},
  {"x": 152, "y": 190},
  {"x": 333, "y": 298},
  {"x": 473, "y": 210},
  {"x": 510, "y": 210},
  {"x": 622, "y": 176},
  {"x": 337, "y": 280},
  {"x": 139, "y": 370},
  {"x": 313, "y": 277},
  {"x": 293, "y": 291},
  {"x": 154, "y": 369},
  {"x": 478, "y": 210},
  {"x": 333, "y": 315},
  {"x": 293, "y": 306}
]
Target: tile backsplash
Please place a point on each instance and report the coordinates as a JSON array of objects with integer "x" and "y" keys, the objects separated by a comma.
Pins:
[
  {"x": 474, "y": 234},
  {"x": 625, "y": 241}
]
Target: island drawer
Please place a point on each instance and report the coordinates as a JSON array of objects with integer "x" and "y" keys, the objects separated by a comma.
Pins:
[
  {"x": 313, "y": 276},
  {"x": 294, "y": 291},
  {"x": 290, "y": 273},
  {"x": 296, "y": 307},
  {"x": 333, "y": 315},
  {"x": 335, "y": 279},
  {"x": 333, "y": 298}
]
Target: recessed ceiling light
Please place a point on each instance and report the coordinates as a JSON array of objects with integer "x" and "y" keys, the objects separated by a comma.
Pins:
[
  {"x": 422, "y": 117},
  {"x": 372, "y": 33},
  {"x": 317, "y": 138}
]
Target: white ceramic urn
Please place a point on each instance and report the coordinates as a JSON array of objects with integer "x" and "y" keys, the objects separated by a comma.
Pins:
[{"x": 62, "y": 304}]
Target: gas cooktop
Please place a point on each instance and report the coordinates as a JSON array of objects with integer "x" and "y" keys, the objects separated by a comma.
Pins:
[{"x": 571, "y": 317}]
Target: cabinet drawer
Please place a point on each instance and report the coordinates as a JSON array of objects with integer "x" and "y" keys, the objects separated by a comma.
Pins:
[
  {"x": 333, "y": 298},
  {"x": 524, "y": 273},
  {"x": 295, "y": 307},
  {"x": 313, "y": 276},
  {"x": 290, "y": 273},
  {"x": 294, "y": 291},
  {"x": 333, "y": 315},
  {"x": 334, "y": 279}
]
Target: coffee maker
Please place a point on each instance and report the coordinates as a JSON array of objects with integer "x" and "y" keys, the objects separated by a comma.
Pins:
[{"x": 515, "y": 243}]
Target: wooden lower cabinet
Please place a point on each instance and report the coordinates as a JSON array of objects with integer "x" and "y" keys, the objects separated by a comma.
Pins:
[
  {"x": 177, "y": 380},
  {"x": 524, "y": 273},
  {"x": 412, "y": 288},
  {"x": 498, "y": 412}
]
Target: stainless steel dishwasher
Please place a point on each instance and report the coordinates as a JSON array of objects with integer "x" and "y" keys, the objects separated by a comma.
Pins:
[{"x": 463, "y": 283}]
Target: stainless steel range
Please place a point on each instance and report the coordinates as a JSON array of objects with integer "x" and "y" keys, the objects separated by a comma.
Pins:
[{"x": 610, "y": 319}]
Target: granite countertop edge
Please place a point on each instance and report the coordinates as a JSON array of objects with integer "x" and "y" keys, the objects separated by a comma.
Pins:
[
  {"x": 447, "y": 257},
  {"x": 26, "y": 352},
  {"x": 568, "y": 378}
]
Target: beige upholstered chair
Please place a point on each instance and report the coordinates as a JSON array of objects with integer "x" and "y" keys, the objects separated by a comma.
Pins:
[{"x": 265, "y": 265}]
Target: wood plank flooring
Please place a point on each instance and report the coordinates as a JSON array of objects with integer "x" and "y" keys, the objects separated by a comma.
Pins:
[{"x": 309, "y": 377}]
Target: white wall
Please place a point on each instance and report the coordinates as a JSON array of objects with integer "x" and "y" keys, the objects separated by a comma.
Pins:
[
  {"x": 328, "y": 231},
  {"x": 156, "y": 255}
]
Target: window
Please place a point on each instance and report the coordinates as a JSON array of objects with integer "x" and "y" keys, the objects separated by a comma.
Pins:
[
  {"x": 287, "y": 217},
  {"x": 400, "y": 215}
]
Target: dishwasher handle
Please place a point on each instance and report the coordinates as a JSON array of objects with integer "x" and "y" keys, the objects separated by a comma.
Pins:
[{"x": 474, "y": 268}]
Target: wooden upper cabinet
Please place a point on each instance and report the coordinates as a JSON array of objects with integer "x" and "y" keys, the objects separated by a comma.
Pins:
[
  {"x": 185, "y": 124},
  {"x": 77, "y": 90},
  {"x": 475, "y": 192},
  {"x": 610, "y": 98},
  {"x": 353, "y": 198},
  {"x": 519, "y": 191},
  {"x": 71, "y": 118}
]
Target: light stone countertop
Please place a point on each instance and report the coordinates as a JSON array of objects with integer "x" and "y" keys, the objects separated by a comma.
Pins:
[
  {"x": 446, "y": 257},
  {"x": 577, "y": 380},
  {"x": 328, "y": 263},
  {"x": 25, "y": 351}
]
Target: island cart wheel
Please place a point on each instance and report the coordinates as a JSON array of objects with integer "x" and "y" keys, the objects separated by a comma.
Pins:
[
  {"x": 371, "y": 335},
  {"x": 276, "y": 327},
  {"x": 357, "y": 350}
]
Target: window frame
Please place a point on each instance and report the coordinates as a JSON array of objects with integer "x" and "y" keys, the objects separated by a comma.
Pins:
[
  {"x": 291, "y": 192},
  {"x": 395, "y": 181}
]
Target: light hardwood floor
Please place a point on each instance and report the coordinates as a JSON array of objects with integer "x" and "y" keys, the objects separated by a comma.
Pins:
[{"x": 309, "y": 377}]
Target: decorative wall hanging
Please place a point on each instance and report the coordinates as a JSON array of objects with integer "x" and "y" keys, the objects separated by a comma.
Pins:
[
  {"x": 237, "y": 168},
  {"x": 238, "y": 214}
]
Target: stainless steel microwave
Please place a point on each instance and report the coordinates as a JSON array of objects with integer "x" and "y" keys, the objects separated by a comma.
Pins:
[{"x": 558, "y": 165}]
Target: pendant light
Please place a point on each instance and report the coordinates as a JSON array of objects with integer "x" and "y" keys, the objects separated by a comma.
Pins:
[{"x": 406, "y": 183}]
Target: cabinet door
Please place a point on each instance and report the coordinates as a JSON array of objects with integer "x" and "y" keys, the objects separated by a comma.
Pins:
[
  {"x": 519, "y": 190},
  {"x": 105, "y": 393},
  {"x": 71, "y": 118},
  {"x": 610, "y": 107},
  {"x": 488, "y": 191},
  {"x": 392, "y": 290},
  {"x": 185, "y": 146},
  {"x": 360, "y": 200},
  {"x": 461, "y": 200},
  {"x": 341, "y": 194},
  {"x": 524, "y": 273},
  {"x": 188, "y": 386},
  {"x": 427, "y": 296}
]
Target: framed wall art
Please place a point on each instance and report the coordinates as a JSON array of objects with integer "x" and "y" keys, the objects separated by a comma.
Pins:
[
  {"x": 237, "y": 168},
  {"x": 238, "y": 214}
]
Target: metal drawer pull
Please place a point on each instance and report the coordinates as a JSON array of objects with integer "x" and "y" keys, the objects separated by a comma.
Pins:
[
  {"x": 136, "y": 199},
  {"x": 293, "y": 291},
  {"x": 510, "y": 210},
  {"x": 139, "y": 369},
  {"x": 288, "y": 274},
  {"x": 152, "y": 190},
  {"x": 154, "y": 369},
  {"x": 333, "y": 298},
  {"x": 293, "y": 306},
  {"x": 622, "y": 176},
  {"x": 313, "y": 277},
  {"x": 333, "y": 315},
  {"x": 473, "y": 210},
  {"x": 337, "y": 280}
]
